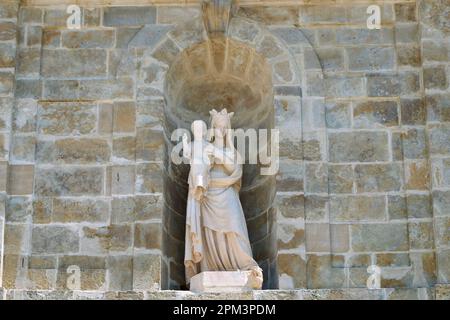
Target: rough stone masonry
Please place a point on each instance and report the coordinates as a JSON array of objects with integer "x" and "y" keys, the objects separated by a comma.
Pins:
[{"x": 364, "y": 120}]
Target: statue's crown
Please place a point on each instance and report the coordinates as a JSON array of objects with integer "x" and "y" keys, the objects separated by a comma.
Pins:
[{"x": 223, "y": 113}]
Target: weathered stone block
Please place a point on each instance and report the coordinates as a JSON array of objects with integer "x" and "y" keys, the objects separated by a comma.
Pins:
[
  {"x": 442, "y": 231},
  {"x": 120, "y": 237},
  {"x": 411, "y": 144},
  {"x": 321, "y": 274},
  {"x": 51, "y": 38},
  {"x": 417, "y": 175},
  {"x": 91, "y": 17},
  {"x": 3, "y": 175},
  {"x": 148, "y": 178},
  {"x": 149, "y": 113},
  {"x": 15, "y": 239},
  {"x": 123, "y": 209},
  {"x": 129, "y": 16},
  {"x": 121, "y": 88},
  {"x": 122, "y": 179},
  {"x": 378, "y": 177},
  {"x": 380, "y": 237},
  {"x": 357, "y": 208},
  {"x": 419, "y": 206},
  {"x": 291, "y": 206},
  {"x": 292, "y": 271},
  {"x": 330, "y": 59},
  {"x": 271, "y": 15},
  {"x": 28, "y": 88},
  {"x": 23, "y": 148},
  {"x": 371, "y": 58},
  {"x": 439, "y": 137},
  {"x": 149, "y": 36},
  {"x": 372, "y": 114},
  {"x": 407, "y": 32},
  {"x": 124, "y": 148},
  {"x": 148, "y": 207},
  {"x": 317, "y": 237},
  {"x": 385, "y": 85},
  {"x": 340, "y": 178},
  {"x": 314, "y": 14},
  {"x": 75, "y": 151},
  {"x": 20, "y": 179},
  {"x": 146, "y": 272},
  {"x": 435, "y": 78},
  {"x": 290, "y": 176},
  {"x": 18, "y": 209},
  {"x": 421, "y": 235},
  {"x": 358, "y": 36},
  {"x": 166, "y": 52},
  {"x": 316, "y": 178},
  {"x": 67, "y": 118},
  {"x": 290, "y": 236},
  {"x": 292, "y": 35},
  {"x": 358, "y": 146},
  {"x": 92, "y": 269},
  {"x": 149, "y": 145},
  {"x": 392, "y": 259},
  {"x": 60, "y": 90},
  {"x": 73, "y": 210},
  {"x": 54, "y": 239},
  {"x": 397, "y": 207},
  {"x": 3, "y": 146},
  {"x": 434, "y": 51},
  {"x": 438, "y": 107},
  {"x": 69, "y": 181},
  {"x": 173, "y": 15},
  {"x": 443, "y": 260},
  {"x": 147, "y": 235},
  {"x": 55, "y": 17},
  {"x": 338, "y": 115},
  {"x": 83, "y": 63},
  {"x": 24, "y": 116},
  {"x": 122, "y": 63},
  {"x": 7, "y": 58},
  {"x": 6, "y": 83},
  {"x": 42, "y": 210},
  {"x": 405, "y": 12},
  {"x": 7, "y": 31},
  {"x": 345, "y": 86},
  {"x": 413, "y": 111},
  {"x": 441, "y": 203},
  {"x": 8, "y": 10},
  {"x": 34, "y": 36},
  {"x": 409, "y": 55},
  {"x": 85, "y": 39}
]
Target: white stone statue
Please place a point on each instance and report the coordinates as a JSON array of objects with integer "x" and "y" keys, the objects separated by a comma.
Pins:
[{"x": 216, "y": 232}]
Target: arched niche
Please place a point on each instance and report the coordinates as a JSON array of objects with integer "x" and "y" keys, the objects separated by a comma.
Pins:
[{"x": 219, "y": 72}]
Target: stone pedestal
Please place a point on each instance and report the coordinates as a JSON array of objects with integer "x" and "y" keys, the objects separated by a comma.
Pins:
[{"x": 222, "y": 281}]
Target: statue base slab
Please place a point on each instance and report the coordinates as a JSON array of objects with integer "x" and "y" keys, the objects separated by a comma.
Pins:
[{"x": 223, "y": 281}]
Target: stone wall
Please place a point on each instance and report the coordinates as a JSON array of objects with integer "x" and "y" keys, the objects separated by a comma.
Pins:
[{"x": 365, "y": 151}]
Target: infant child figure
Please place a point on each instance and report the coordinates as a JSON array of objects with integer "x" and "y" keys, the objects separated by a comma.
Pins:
[{"x": 198, "y": 152}]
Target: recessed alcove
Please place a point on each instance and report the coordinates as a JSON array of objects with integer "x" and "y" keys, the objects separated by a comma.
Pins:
[{"x": 219, "y": 73}]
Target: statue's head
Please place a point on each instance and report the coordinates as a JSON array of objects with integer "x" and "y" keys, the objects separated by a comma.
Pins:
[{"x": 220, "y": 122}]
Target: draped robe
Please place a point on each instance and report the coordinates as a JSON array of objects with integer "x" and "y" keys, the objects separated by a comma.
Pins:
[{"x": 216, "y": 231}]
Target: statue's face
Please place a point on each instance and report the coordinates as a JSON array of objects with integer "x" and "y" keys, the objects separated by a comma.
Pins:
[{"x": 220, "y": 128}]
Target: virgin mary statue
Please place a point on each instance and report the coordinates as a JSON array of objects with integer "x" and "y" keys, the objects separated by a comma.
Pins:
[{"x": 216, "y": 232}]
